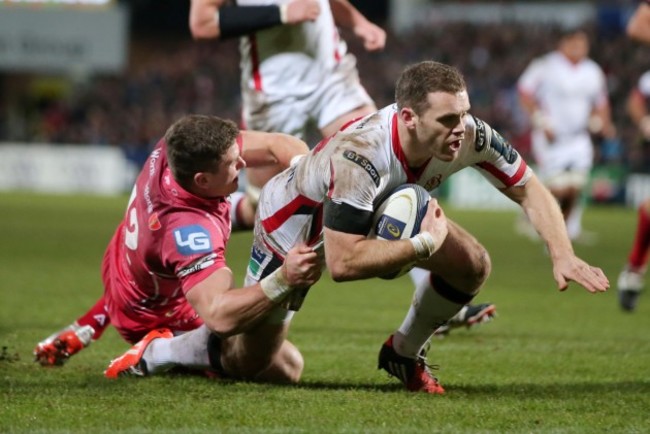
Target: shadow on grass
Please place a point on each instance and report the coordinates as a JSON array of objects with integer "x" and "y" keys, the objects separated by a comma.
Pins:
[{"x": 524, "y": 391}]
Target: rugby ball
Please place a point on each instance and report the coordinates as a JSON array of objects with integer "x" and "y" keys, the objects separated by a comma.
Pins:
[{"x": 398, "y": 217}]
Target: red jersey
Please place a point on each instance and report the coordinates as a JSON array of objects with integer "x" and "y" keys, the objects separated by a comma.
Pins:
[{"x": 169, "y": 241}]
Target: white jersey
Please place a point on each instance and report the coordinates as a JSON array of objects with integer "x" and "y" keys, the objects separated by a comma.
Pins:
[
  {"x": 565, "y": 92},
  {"x": 344, "y": 178},
  {"x": 290, "y": 60}
]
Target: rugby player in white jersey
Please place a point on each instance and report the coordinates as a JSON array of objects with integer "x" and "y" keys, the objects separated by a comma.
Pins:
[
  {"x": 295, "y": 67},
  {"x": 296, "y": 70},
  {"x": 330, "y": 195},
  {"x": 565, "y": 94}
]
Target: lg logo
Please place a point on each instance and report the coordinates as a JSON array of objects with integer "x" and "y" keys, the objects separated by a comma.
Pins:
[{"x": 192, "y": 239}]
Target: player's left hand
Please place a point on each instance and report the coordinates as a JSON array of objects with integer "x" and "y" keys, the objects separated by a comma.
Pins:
[
  {"x": 575, "y": 269},
  {"x": 373, "y": 36}
]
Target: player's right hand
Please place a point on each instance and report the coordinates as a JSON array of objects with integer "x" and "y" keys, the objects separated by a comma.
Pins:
[
  {"x": 435, "y": 222},
  {"x": 302, "y": 267},
  {"x": 299, "y": 11}
]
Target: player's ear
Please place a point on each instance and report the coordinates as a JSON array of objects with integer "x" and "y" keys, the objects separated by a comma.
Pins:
[
  {"x": 201, "y": 180},
  {"x": 408, "y": 116}
]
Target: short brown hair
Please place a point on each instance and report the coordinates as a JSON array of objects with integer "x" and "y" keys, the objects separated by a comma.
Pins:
[
  {"x": 420, "y": 79},
  {"x": 196, "y": 143}
]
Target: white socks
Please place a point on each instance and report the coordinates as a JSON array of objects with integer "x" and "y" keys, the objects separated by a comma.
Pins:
[
  {"x": 189, "y": 350},
  {"x": 574, "y": 222},
  {"x": 428, "y": 311}
]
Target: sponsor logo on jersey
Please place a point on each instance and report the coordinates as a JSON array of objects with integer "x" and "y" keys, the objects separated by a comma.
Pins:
[
  {"x": 479, "y": 142},
  {"x": 154, "y": 223},
  {"x": 199, "y": 264},
  {"x": 362, "y": 161},
  {"x": 258, "y": 258},
  {"x": 389, "y": 228},
  {"x": 192, "y": 239},
  {"x": 433, "y": 182},
  {"x": 503, "y": 147}
]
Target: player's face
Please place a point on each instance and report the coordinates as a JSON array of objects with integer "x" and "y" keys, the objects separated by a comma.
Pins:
[
  {"x": 575, "y": 47},
  {"x": 441, "y": 127},
  {"x": 225, "y": 180}
]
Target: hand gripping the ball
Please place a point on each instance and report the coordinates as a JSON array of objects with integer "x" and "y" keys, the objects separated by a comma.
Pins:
[{"x": 433, "y": 231}]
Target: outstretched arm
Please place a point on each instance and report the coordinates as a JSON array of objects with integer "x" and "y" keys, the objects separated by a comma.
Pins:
[
  {"x": 270, "y": 149},
  {"x": 545, "y": 215}
]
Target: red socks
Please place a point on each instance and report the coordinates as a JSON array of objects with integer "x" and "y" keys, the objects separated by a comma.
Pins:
[
  {"x": 639, "y": 255},
  {"x": 97, "y": 318}
]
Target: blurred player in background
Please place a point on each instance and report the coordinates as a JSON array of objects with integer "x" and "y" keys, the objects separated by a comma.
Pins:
[
  {"x": 296, "y": 70},
  {"x": 630, "y": 281},
  {"x": 165, "y": 266},
  {"x": 294, "y": 67},
  {"x": 565, "y": 94},
  {"x": 328, "y": 198}
]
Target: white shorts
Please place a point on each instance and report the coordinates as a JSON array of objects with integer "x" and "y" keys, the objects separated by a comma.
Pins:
[
  {"x": 341, "y": 92},
  {"x": 563, "y": 163}
]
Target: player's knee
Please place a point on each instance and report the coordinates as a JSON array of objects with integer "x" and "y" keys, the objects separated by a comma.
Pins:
[
  {"x": 482, "y": 264},
  {"x": 293, "y": 365},
  {"x": 478, "y": 267},
  {"x": 285, "y": 367}
]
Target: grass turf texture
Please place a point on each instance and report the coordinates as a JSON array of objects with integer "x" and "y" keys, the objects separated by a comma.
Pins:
[{"x": 551, "y": 362}]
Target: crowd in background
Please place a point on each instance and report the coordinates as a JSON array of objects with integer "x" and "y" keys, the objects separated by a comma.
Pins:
[{"x": 165, "y": 81}]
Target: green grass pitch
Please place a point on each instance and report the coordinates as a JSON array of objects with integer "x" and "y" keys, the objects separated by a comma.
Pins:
[{"x": 551, "y": 362}]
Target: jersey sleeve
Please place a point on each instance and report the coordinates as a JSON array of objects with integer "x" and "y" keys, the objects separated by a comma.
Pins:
[
  {"x": 531, "y": 78},
  {"x": 499, "y": 162},
  {"x": 194, "y": 247},
  {"x": 354, "y": 184}
]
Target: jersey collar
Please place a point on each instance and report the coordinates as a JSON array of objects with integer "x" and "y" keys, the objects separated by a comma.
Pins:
[{"x": 412, "y": 175}]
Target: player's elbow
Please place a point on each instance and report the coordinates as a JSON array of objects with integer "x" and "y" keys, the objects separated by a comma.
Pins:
[
  {"x": 340, "y": 271},
  {"x": 222, "y": 327},
  {"x": 221, "y": 323}
]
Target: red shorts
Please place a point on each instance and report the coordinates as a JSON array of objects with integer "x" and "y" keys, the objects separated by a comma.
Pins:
[{"x": 133, "y": 321}]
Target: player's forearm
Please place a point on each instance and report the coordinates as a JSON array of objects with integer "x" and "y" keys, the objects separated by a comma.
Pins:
[
  {"x": 228, "y": 311},
  {"x": 368, "y": 258},
  {"x": 285, "y": 147},
  {"x": 345, "y": 14},
  {"x": 237, "y": 310},
  {"x": 545, "y": 216},
  {"x": 267, "y": 149}
]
